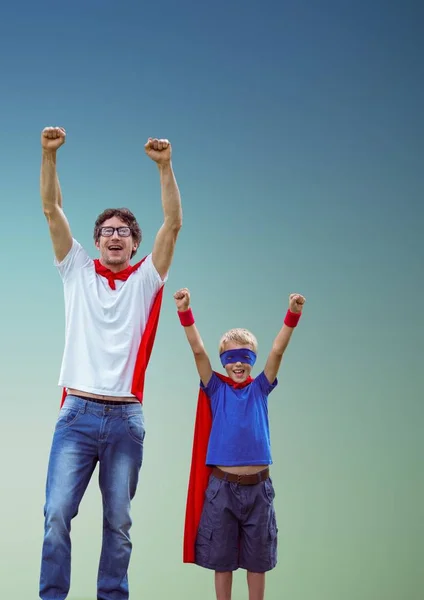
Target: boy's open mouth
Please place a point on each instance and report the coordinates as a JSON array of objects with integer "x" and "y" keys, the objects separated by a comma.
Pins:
[{"x": 238, "y": 372}]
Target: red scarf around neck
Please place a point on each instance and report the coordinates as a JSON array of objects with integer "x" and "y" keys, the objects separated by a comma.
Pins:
[
  {"x": 149, "y": 334},
  {"x": 111, "y": 276},
  {"x": 199, "y": 472}
]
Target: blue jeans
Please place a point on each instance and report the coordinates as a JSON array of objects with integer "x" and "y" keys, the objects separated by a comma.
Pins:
[{"x": 88, "y": 433}]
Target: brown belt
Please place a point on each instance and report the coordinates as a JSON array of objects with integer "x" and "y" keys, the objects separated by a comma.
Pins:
[
  {"x": 105, "y": 402},
  {"x": 241, "y": 479}
]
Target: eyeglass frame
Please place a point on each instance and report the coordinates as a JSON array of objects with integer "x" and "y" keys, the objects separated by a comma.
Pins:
[{"x": 121, "y": 227}]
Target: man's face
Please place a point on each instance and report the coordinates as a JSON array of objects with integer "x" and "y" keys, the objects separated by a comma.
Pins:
[{"x": 115, "y": 246}]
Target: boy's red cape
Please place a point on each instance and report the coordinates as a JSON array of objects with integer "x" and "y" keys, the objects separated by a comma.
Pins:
[
  {"x": 148, "y": 337},
  {"x": 199, "y": 472}
]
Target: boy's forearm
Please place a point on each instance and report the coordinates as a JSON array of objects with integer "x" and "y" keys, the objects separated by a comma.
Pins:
[
  {"x": 194, "y": 339},
  {"x": 282, "y": 340},
  {"x": 280, "y": 345},
  {"x": 203, "y": 365}
]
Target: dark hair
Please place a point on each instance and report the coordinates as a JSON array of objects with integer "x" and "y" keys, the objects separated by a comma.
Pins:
[{"x": 126, "y": 216}]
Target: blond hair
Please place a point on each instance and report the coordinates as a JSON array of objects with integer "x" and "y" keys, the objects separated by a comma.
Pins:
[{"x": 243, "y": 337}]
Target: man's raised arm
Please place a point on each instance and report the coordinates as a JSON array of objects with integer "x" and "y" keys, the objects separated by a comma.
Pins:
[
  {"x": 163, "y": 249},
  {"x": 51, "y": 140}
]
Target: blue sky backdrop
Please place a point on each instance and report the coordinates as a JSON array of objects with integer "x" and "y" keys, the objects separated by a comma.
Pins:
[{"x": 297, "y": 132}]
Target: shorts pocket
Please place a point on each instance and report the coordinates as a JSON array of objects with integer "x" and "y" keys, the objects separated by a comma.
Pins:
[
  {"x": 135, "y": 428},
  {"x": 273, "y": 531},
  {"x": 67, "y": 416},
  {"x": 268, "y": 490},
  {"x": 213, "y": 488},
  {"x": 273, "y": 543},
  {"x": 203, "y": 545}
]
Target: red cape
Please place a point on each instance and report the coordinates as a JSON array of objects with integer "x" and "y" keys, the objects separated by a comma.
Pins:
[
  {"x": 149, "y": 334},
  {"x": 199, "y": 472}
]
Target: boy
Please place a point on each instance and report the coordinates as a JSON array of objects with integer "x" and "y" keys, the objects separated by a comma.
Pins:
[{"x": 231, "y": 524}]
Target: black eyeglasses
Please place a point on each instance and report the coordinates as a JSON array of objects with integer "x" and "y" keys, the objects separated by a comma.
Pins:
[{"x": 109, "y": 231}]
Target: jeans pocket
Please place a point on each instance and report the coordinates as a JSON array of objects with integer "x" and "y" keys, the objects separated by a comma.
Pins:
[
  {"x": 135, "y": 428},
  {"x": 67, "y": 416}
]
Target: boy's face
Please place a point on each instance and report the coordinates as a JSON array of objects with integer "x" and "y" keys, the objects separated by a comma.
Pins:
[{"x": 237, "y": 371}]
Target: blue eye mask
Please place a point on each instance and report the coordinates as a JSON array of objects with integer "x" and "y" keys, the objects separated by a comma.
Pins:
[{"x": 243, "y": 355}]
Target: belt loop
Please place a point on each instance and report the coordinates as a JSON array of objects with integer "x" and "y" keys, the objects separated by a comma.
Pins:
[
  {"x": 84, "y": 406},
  {"x": 260, "y": 476}
]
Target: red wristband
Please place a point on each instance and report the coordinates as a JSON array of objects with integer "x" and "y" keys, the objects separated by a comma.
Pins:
[
  {"x": 186, "y": 317},
  {"x": 291, "y": 318}
]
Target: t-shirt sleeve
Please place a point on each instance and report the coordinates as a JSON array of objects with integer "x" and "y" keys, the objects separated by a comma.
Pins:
[
  {"x": 215, "y": 383},
  {"x": 76, "y": 258},
  {"x": 151, "y": 281},
  {"x": 262, "y": 382}
]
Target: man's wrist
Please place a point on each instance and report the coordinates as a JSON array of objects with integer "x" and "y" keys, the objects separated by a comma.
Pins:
[
  {"x": 165, "y": 166},
  {"x": 48, "y": 154}
]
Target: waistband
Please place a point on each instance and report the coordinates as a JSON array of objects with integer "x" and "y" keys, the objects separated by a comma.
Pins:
[
  {"x": 252, "y": 479},
  {"x": 101, "y": 407},
  {"x": 104, "y": 402}
]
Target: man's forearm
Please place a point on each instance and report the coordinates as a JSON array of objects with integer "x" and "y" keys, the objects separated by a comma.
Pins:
[
  {"x": 171, "y": 200},
  {"x": 49, "y": 183},
  {"x": 58, "y": 192}
]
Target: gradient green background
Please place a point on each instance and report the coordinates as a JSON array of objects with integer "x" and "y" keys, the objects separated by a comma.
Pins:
[{"x": 297, "y": 131}]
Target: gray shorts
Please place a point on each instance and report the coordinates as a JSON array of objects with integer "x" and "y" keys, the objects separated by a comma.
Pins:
[{"x": 238, "y": 528}]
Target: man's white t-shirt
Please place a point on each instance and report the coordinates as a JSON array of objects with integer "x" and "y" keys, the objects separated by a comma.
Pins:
[{"x": 103, "y": 326}]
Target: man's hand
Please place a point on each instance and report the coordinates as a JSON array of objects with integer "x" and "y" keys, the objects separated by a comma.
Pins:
[
  {"x": 182, "y": 299},
  {"x": 296, "y": 302},
  {"x": 52, "y": 138},
  {"x": 158, "y": 150}
]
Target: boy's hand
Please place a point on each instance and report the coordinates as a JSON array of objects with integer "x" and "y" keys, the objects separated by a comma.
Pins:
[
  {"x": 182, "y": 299},
  {"x": 296, "y": 303}
]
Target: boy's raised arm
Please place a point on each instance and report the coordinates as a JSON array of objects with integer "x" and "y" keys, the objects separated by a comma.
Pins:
[
  {"x": 282, "y": 340},
  {"x": 204, "y": 368}
]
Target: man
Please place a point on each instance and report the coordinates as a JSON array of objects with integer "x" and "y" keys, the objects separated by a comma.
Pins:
[{"x": 112, "y": 311}]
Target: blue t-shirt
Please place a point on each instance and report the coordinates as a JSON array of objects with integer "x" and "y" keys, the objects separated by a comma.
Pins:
[{"x": 240, "y": 426}]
